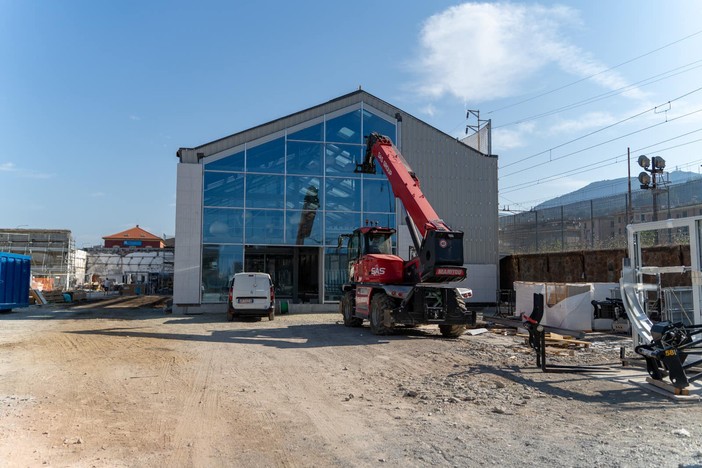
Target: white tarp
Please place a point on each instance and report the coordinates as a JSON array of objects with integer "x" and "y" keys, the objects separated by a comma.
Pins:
[{"x": 566, "y": 305}]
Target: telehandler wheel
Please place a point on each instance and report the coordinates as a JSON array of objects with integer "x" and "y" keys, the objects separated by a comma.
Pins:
[
  {"x": 379, "y": 304},
  {"x": 452, "y": 331},
  {"x": 346, "y": 306}
]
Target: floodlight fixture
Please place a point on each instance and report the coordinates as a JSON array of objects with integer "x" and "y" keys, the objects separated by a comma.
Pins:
[
  {"x": 644, "y": 179},
  {"x": 644, "y": 161}
]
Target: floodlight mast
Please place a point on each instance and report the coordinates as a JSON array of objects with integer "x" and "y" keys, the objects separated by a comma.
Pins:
[{"x": 657, "y": 165}]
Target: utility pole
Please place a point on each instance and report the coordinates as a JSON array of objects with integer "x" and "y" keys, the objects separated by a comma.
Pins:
[{"x": 628, "y": 181}]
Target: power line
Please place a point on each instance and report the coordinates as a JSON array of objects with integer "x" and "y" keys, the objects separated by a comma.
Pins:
[
  {"x": 603, "y": 129},
  {"x": 594, "y": 74},
  {"x": 599, "y": 164},
  {"x": 608, "y": 94}
]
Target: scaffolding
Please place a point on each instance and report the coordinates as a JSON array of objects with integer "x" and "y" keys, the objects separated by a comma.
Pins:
[
  {"x": 149, "y": 266},
  {"x": 52, "y": 251}
]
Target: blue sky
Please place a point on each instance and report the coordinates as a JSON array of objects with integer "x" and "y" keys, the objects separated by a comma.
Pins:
[{"x": 96, "y": 97}]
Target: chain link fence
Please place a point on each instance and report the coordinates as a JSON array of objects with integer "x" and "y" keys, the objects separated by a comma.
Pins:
[{"x": 600, "y": 223}]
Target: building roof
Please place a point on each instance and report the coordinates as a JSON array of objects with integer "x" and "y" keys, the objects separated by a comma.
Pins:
[
  {"x": 133, "y": 233},
  {"x": 197, "y": 153}
]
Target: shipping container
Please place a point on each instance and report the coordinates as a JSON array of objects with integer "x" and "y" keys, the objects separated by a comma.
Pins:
[{"x": 14, "y": 281}]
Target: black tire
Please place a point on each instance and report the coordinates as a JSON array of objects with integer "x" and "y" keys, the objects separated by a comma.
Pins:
[
  {"x": 452, "y": 331},
  {"x": 458, "y": 311},
  {"x": 230, "y": 314},
  {"x": 346, "y": 307},
  {"x": 271, "y": 315},
  {"x": 379, "y": 304}
]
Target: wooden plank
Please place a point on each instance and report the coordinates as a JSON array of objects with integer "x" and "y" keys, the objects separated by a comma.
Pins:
[{"x": 668, "y": 387}]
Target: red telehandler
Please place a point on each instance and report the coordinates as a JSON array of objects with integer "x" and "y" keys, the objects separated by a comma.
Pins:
[{"x": 388, "y": 291}]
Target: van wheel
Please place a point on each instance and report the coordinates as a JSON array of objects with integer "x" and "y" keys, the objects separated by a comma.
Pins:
[
  {"x": 230, "y": 314},
  {"x": 271, "y": 315}
]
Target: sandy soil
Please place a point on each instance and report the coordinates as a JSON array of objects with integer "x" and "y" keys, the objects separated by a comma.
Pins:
[{"x": 120, "y": 387}]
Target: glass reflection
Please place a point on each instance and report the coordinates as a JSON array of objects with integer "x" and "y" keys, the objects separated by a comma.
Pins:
[
  {"x": 374, "y": 123},
  {"x": 224, "y": 189},
  {"x": 222, "y": 226},
  {"x": 303, "y": 227},
  {"x": 301, "y": 191},
  {"x": 342, "y": 194},
  {"x": 234, "y": 162},
  {"x": 305, "y": 158},
  {"x": 264, "y": 191},
  {"x": 378, "y": 196},
  {"x": 345, "y": 128},
  {"x": 268, "y": 157},
  {"x": 335, "y": 273},
  {"x": 313, "y": 133},
  {"x": 338, "y": 223},
  {"x": 219, "y": 263},
  {"x": 264, "y": 227},
  {"x": 342, "y": 159}
]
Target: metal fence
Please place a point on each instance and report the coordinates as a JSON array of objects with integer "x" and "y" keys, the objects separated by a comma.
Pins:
[{"x": 599, "y": 223}]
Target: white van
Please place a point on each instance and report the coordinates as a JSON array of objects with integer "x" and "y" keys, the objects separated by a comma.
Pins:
[{"x": 252, "y": 295}]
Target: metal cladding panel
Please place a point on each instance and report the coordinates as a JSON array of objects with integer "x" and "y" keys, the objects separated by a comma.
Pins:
[
  {"x": 459, "y": 182},
  {"x": 188, "y": 247}
]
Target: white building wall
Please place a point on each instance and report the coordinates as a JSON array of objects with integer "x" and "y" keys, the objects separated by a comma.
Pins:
[{"x": 188, "y": 241}]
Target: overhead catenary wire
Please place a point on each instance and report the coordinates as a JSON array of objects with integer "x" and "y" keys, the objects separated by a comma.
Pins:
[
  {"x": 601, "y": 129},
  {"x": 594, "y": 74},
  {"x": 605, "y": 162},
  {"x": 645, "y": 82}
]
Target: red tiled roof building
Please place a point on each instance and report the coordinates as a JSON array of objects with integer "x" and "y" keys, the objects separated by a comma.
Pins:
[{"x": 135, "y": 237}]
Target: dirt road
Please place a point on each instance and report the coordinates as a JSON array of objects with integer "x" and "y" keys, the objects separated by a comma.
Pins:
[{"x": 108, "y": 387}]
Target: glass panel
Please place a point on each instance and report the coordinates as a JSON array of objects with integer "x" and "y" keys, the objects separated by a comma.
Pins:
[
  {"x": 342, "y": 194},
  {"x": 264, "y": 191},
  {"x": 219, "y": 263},
  {"x": 377, "y": 196},
  {"x": 337, "y": 223},
  {"x": 234, "y": 162},
  {"x": 222, "y": 226},
  {"x": 345, "y": 128},
  {"x": 305, "y": 158},
  {"x": 374, "y": 123},
  {"x": 224, "y": 189},
  {"x": 383, "y": 219},
  {"x": 303, "y": 192},
  {"x": 313, "y": 133},
  {"x": 264, "y": 226},
  {"x": 342, "y": 159},
  {"x": 268, "y": 157},
  {"x": 335, "y": 273},
  {"x": 303, "y": 227}
]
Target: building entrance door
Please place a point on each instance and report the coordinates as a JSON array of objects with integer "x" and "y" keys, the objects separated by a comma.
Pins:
[{"x": 294, "y": 270}]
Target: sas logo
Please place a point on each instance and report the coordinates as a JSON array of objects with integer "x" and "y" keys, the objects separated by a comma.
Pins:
[{"x": 377, "y": 271}]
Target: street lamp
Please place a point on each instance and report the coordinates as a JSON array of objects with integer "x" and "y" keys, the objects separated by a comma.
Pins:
[{"x": 654, "y": 166}]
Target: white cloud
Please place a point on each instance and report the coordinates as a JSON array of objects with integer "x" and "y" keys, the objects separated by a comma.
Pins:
[
  {"x": 511, "y": 138},
  {"x": 483, "y": 51},
  {"x": 24, "y": 173},
  {"x": 584, "y": 122},
  {"x": 7, "y": 167},
  {"x": 134, "y": 117}
]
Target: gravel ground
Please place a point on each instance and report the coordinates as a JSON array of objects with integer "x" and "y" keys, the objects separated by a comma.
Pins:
[{"x": 119, "y": 387}]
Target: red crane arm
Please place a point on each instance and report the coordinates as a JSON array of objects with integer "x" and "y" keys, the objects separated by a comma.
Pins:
[{"x": 403, "y": 181}]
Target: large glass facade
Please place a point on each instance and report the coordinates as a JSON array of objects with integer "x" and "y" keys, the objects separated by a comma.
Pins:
[{"x": 295, "y": 188}]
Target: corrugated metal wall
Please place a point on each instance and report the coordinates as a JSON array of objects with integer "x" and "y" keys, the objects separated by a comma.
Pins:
[{"x": 459, "y": 182}]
